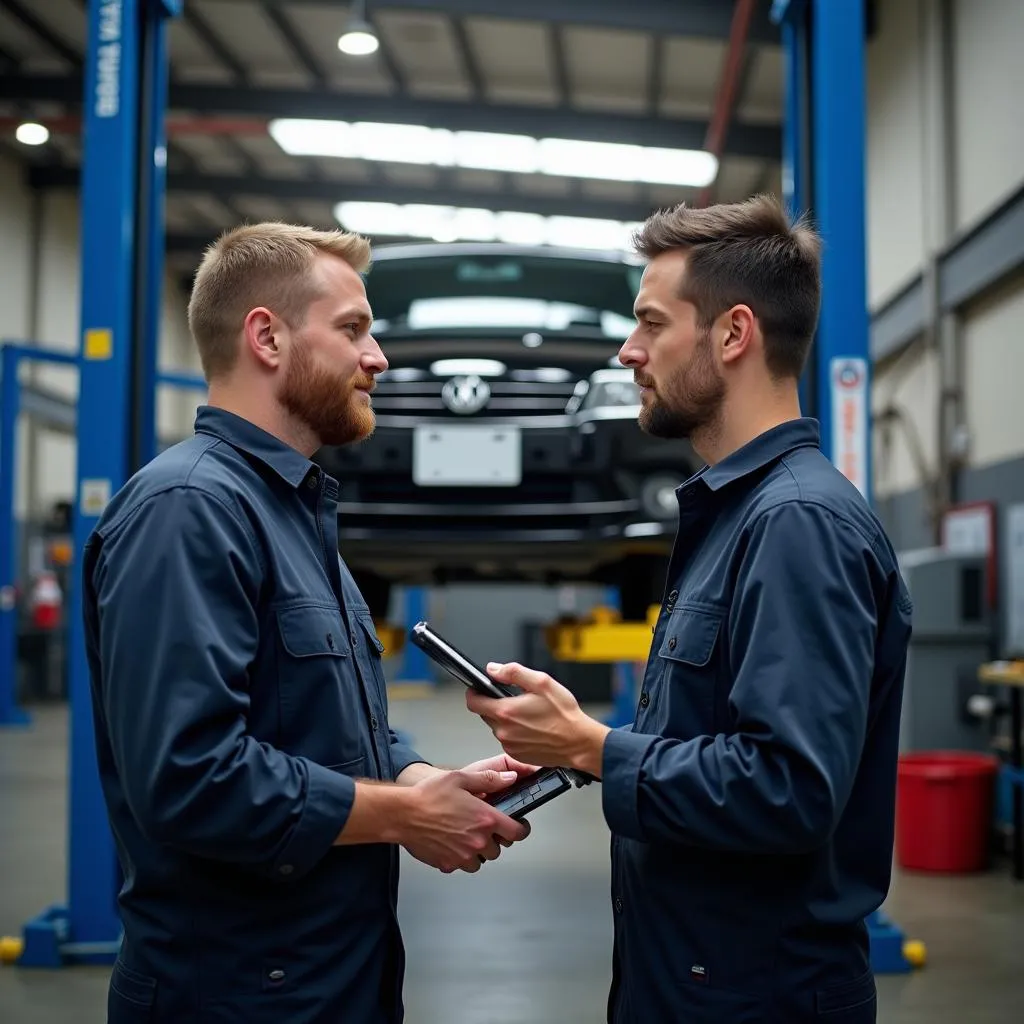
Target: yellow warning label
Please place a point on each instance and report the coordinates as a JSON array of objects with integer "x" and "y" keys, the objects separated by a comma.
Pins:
[{"x": 99, "y": 343}]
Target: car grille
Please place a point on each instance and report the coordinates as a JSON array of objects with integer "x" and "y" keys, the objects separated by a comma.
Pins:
[{"x": 423, "y": 398}]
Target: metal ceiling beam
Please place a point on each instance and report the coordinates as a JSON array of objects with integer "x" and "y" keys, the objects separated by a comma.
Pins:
[
  {"x": 39, "y": 28},
  {"x": 751, "y": 140},
  {"x": 229, "y": 187},
  {"x": 708, "y": 19}
]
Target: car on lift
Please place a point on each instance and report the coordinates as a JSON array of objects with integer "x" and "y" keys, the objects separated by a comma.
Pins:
[{"x": 507, "y": 446}]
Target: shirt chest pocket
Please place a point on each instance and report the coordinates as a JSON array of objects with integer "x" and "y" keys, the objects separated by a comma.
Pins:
[
  {"x": 319, "y": 693},
  {"x": 690, "y": 665}
]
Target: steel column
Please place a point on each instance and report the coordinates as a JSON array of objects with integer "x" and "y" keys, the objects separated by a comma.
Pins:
[
  {"x": 796, "y": 143},
  {"x": 416, "y": 667},
  {"x": 109, "y": 193},
  {"x": 838, "y": 180},
  {"x": 824, "y": 173},
  {"x": 10, "y": 712},
  {"x": 10, "y": 361},
  {"x": 121, "y": 205}
]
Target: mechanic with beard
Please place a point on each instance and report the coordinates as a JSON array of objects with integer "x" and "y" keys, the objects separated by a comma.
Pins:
[
  {"x": 751, "y": 803},
  {"x": 256, "y": 793}
]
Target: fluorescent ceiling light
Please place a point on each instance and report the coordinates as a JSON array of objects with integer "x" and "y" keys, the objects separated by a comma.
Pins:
[
  {"x": 451, "y": 224},
  {"x": 494, "y": 151},
  {"x": 31, "y": 134},
  {"x": 481, "y": 367}
]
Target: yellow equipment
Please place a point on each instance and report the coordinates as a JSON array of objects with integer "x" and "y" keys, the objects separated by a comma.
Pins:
[{"x": 602, "y": 637}]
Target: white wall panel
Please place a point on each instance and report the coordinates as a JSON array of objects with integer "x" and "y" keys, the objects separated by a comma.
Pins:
[
  {"x": 993, "y": 331},
  {"x": 909, "y": 385},
  {"x": 54, "y": 323},
  {"x": 14, "y": 253},
  {"x": 895, "y": 221},
  {"x": 989, "y": 77}
]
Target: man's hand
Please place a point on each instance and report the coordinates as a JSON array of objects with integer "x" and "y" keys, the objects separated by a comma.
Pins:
[
  {"x": 449, "y": 827},
  {"x": 544, "y": 726}
]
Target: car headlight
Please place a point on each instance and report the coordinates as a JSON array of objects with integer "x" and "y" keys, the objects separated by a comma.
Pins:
[{"x": 611, "y": 389}]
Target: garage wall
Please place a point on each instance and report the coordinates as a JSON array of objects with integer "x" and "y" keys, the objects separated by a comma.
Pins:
[
  {"x": 988, "y": 86},
  {"x": 894, "y": 160},
  {"x": 41, "y": 304},
  {"x": 913, "y": 210}
]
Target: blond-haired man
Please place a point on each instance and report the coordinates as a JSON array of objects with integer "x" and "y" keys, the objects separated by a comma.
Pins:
[{"x": 256, "y": 793}]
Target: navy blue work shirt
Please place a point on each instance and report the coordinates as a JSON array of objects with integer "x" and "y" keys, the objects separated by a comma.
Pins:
[
  {"x": 752, "y": 802},
  {"x": 238, "y": 693}
]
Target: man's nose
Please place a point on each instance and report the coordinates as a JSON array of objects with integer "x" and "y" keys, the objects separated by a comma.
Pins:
[
  {"x": 374, "y": 360},
  {"x": 632, "y": 354}
]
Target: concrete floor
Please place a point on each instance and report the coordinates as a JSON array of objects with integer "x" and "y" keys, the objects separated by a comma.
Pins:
[{"x": 543, "y": 908}]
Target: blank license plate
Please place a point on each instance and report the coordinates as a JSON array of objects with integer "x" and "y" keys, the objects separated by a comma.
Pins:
[{"x": 467, "y": 456}]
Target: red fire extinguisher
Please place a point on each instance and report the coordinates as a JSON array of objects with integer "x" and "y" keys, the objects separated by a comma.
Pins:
[{"x": 46, "y": 601}]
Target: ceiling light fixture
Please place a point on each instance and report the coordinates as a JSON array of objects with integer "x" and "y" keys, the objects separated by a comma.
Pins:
[
  {"x": 32, "y": 134},
  {"x": 359, "y": 39},
  {"x": 454, "y": 224},
  {"x": 493, "y": 151}
]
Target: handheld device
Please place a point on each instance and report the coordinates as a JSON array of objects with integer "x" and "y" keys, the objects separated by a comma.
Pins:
[
  {"x": 456, "y": 663},
  {"x": 529, "y": 792}
]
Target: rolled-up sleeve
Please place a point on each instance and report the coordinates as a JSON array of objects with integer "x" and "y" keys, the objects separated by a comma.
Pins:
[
  {"x": 176, "y": 586},
  {"x": 802, "y": 634},
  {"x": 402, "y": 755}
]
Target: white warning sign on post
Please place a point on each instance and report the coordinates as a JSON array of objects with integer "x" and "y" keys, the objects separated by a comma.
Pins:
[
  {"x": 94, "y": 497},
  {"x": 850, "y": 420}
]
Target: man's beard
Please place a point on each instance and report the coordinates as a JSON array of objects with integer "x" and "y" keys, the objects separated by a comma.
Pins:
[
  {"x": 325, "y": 402},
  {"x": 689, "y": 401}
]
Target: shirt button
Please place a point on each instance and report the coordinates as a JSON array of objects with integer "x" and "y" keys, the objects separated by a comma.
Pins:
[
  {"x": 672, "y": 644},
  {"x": 353, "y": 638},
  {"x": 644, "y": 699},
  {"x": 330, "y": 641},
  {"x": 286, "y": 869},
  {"x": 618, "y": 905},
  {"x": 276, "y": 975},
  {"x": 373, "y": 722}
]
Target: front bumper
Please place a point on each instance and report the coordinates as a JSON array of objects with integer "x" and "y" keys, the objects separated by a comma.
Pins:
[{"x": 574, "y": 493}]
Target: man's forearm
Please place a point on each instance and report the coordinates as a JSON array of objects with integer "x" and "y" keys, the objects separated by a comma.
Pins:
[
  {"x": 378, "y": 813},
  {"x": 417, "y": 772}
]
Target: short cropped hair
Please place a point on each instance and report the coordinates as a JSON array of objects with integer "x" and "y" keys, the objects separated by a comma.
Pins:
[
  {"x": 747, "y": 253},
  {"x": 265, "y": 264}
]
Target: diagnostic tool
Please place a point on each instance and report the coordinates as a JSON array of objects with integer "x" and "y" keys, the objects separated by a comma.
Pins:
[{"x": 529, "y": 792}]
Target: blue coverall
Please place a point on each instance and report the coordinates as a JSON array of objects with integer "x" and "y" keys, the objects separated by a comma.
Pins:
[
  {"x": 752, "y": 802},
  {"x": 238, "y": 692}
]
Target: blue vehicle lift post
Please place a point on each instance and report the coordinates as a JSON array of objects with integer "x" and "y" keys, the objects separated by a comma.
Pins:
[
  {"x": 121, "y": 198},
  {"x": 13, "y": 355},
  {"x": 824, "y": 173}
]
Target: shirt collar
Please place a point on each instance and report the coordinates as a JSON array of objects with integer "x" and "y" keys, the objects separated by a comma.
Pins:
[
  {"x": 289, "y": 464},
  {"x": 763, "y": 449}
]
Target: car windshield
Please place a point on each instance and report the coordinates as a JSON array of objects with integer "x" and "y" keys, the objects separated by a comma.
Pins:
[{"x": 513, "y": 292}]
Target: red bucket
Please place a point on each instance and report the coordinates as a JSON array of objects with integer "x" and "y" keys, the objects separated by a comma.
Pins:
[{"x": 944, "y": 807}]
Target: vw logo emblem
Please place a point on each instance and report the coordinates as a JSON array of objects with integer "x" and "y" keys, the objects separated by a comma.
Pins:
[{"x": 465, "y": 395}]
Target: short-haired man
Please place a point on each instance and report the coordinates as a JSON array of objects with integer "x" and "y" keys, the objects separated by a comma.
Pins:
[
  {"x": 751, "y": 802},
  {"x": 256, "y": 792}
]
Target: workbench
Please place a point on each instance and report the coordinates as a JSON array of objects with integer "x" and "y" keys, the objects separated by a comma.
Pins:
[{"x": 1011, "y": 675}]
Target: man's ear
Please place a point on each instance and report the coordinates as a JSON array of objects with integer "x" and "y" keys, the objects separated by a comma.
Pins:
[
  {"x": 262, "y": 336},
  {"x": 736, "y": 329}
]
